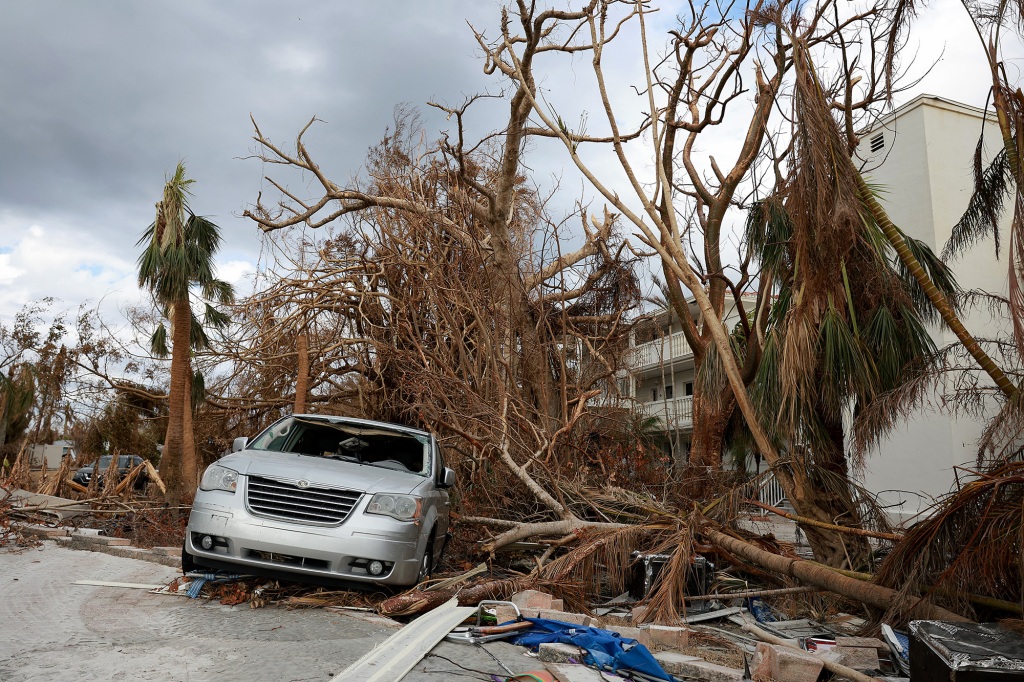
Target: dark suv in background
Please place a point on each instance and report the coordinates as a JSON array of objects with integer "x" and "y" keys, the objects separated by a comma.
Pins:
[{"x": 125, "y": 463}]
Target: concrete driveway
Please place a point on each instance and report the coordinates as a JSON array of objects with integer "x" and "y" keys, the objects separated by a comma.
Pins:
[{"x": 51, "y": 630}]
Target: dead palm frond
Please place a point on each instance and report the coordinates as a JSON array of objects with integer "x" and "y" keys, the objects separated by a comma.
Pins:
[
  {"x": 970, "y": 545},
  {"x": 601, "y": 560}
]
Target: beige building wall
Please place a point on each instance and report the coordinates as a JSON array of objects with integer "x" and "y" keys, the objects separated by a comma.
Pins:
[{"x": 924, "y": 174}]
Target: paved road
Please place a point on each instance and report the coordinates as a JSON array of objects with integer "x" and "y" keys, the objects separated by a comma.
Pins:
[{"x": 52, "y": 630}]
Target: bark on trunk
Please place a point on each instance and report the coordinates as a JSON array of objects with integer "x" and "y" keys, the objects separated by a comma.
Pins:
[
  {"x": 302, "y": 376},
  {"x": 710, "y": 420},
  {"x": 170, "y": 458},
  {"x": 189, "y": 456},
  {"x": 866, "y": 593},
  {"x": 836, "y": 498}
]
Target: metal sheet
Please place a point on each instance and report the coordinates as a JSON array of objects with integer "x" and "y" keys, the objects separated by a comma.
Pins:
[{"x": 397, "y": 655}]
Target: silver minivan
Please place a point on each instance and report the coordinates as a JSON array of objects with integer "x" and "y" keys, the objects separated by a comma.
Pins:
[{"x": 324, "y": 499}]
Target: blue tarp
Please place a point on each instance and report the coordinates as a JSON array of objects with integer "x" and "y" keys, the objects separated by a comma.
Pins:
[{"x": 605, "y": 650}]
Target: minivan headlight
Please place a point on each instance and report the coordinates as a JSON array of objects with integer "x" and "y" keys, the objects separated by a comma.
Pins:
[
  {"x": 217, "y": 477},
  {"x": 401, "y": 507}
]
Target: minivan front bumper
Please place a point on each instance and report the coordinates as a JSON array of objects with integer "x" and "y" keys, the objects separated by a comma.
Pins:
[{"x": 341, "y": 552}]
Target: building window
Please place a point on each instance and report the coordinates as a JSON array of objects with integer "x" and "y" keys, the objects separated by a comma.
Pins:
[
  {"x": 654, "y": 393},
  {"x": 668, "y": 392},
  {"x": 877, "y": 142},
  {"x": 689, "y": 388}
]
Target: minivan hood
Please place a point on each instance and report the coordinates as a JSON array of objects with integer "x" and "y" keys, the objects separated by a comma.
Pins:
[{"x": 319, "y": 470}]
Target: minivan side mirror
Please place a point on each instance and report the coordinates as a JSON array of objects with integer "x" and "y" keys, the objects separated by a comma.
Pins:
[
  {"x": 449, "y": 478},
  {"x": 239, "y": 444}
]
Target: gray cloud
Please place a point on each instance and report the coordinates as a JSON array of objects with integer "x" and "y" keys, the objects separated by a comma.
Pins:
[{"x": 98, "y": 100}]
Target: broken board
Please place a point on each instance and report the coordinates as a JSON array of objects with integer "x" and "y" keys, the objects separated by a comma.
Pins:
[
  {"x": 107, "y": 583},
  {"x": 398, "y": 654},
  {"x": 570, "y": 672}
]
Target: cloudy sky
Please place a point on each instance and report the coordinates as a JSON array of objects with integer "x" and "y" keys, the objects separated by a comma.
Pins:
[{"x": 100, "y": 99}]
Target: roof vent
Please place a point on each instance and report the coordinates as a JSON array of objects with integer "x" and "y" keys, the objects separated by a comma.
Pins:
[{"x": 877, "y": 142}]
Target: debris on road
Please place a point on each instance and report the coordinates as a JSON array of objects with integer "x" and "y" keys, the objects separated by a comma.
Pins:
[
  {"x": 129, "y": 586},
  {"x": 395, "y": 657}
]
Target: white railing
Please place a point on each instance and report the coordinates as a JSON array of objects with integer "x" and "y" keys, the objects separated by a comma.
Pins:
[
  {"x": 771, "y": 492},
  {"x": 676, "y": 413},
  {"x": 662, "y": 350}
]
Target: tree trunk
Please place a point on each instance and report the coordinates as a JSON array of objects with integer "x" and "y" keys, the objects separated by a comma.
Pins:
[
  {"x": 302, "y": 377},
  {"x": 710, "y": 421},
  {"x": 170, "y": 458},
  {"x": 836, "y": 497},
  {"x": 864, "y": 592},
  {"x": 189, "y": 456}
]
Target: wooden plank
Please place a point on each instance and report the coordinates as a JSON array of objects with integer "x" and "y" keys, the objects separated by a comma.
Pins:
[
  {"x": 397, "y": 655},
  {"x": 570, "y": 672},
  {"x": 106, "y": 583},
  {"x": 714, "y": 615}
]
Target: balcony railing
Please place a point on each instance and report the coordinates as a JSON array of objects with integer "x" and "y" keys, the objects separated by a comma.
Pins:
[
  {"x": 661, "y": 351},
  {"x": 676, "y": 413}
]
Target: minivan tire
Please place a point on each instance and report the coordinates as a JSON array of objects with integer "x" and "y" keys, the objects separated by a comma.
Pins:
[{"x": 427, "y": 562}]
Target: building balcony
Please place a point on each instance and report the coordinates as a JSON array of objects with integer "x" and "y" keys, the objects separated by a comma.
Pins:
[
  {"x": 661, "y": 351},
  {"x": 675, "y": 414}
]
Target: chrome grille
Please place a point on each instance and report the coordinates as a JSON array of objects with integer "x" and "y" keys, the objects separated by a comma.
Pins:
[{"x": 282, "y": 500}]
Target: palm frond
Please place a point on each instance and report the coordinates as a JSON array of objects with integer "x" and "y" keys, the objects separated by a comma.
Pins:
[
  {"x": 158, "y": 341},
  {"x": 970, "y": 543},
  {"x": 845, "y": 368},
  {"x": 991, "y": 187},
  {"x": 198, "y": 389},
  {"x": 198, "y": 338},
  {"x": 220, "y": 291},
  {"x": 212, "y": 317}
]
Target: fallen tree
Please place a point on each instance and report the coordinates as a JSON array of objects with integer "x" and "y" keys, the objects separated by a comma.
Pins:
[{"x": 822, "y": 576}]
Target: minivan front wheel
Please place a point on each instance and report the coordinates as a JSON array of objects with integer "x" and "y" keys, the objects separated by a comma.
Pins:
[{"x": 427, "y": 561}]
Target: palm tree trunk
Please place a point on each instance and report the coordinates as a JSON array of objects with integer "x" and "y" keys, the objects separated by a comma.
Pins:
[
  {"x": 805, "y": 571},
  {"x": 302, "y": 378},
  {"x": 937, "y": 298},
  {"x": 832, "y": 490},
  {"x": 170, "y": 459},
  {"x": 189, "y": 457}
]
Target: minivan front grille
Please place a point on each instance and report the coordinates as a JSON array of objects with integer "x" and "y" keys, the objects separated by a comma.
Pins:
[{"x": 282, "y": 500}]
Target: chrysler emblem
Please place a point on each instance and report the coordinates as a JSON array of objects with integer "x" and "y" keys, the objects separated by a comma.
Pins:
[{"x": 303, "y": 484}]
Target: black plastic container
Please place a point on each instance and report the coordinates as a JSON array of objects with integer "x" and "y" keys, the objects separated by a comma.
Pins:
[{"x": 964, "y": 652}]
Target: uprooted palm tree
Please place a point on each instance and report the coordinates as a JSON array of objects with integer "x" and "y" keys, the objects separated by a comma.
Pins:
[{"x": 178, "y": 258}]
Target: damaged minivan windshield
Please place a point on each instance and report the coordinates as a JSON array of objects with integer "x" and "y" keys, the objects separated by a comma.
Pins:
[{"x": 374, "y": 446}]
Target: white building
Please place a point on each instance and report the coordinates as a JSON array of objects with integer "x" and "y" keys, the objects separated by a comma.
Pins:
[{"x": 920, "y": 157}]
